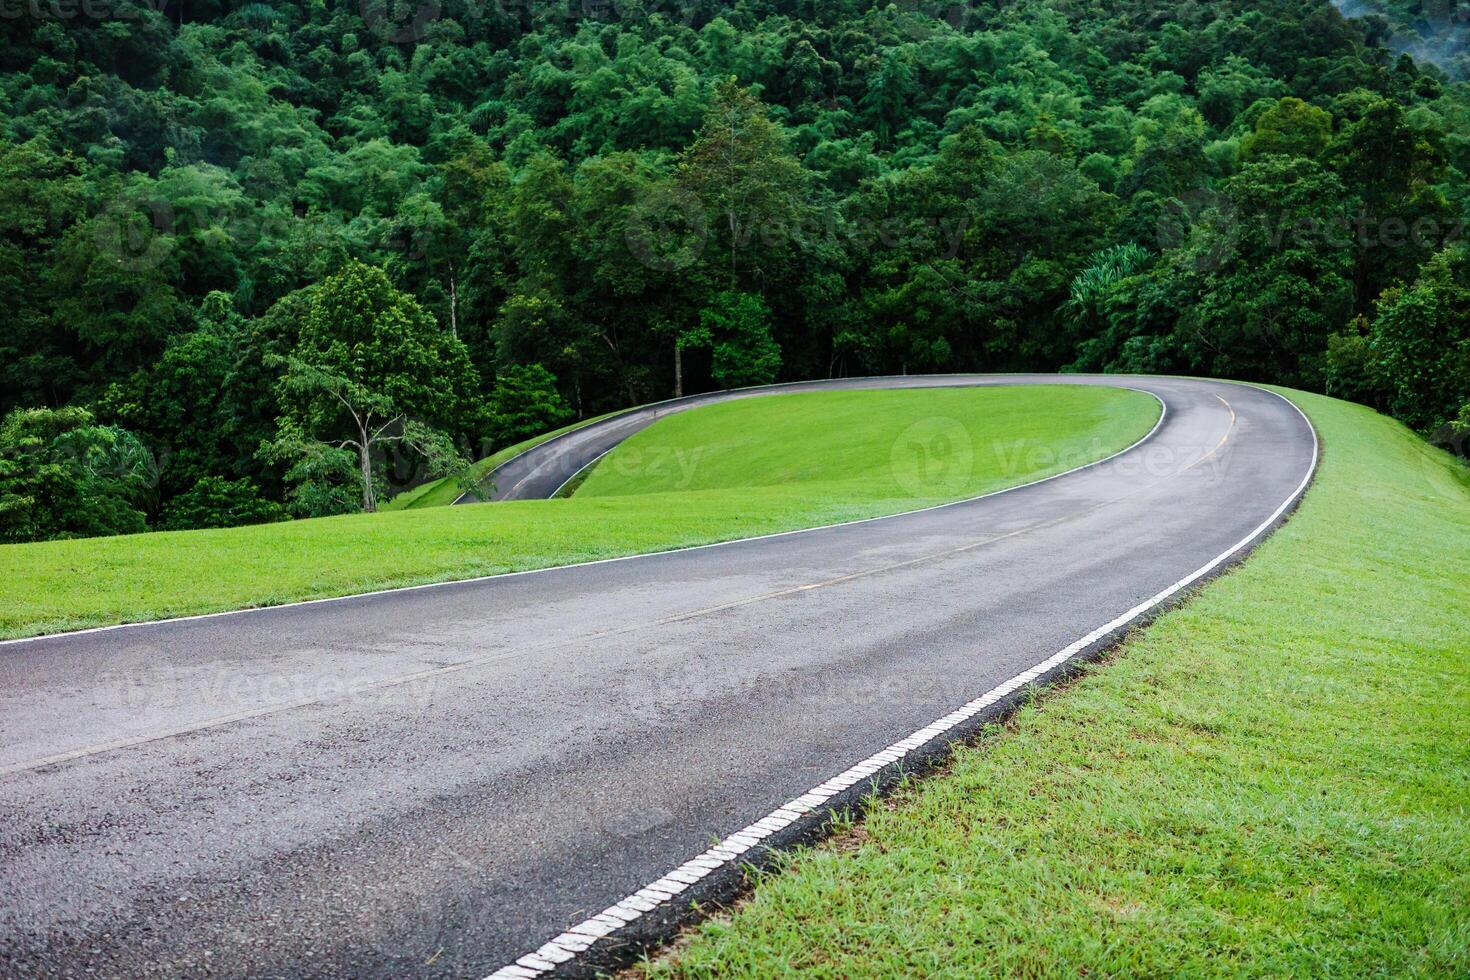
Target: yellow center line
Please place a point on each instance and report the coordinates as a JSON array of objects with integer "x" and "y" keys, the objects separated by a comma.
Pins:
[{"x": 1219, "y": 445}]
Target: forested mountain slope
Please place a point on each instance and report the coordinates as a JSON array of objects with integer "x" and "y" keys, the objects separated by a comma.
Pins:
[{"x": 470, "y": 220}]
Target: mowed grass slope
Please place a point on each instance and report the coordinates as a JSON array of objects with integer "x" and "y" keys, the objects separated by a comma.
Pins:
[
  {"x": 1273, "y": 780},
  {"x": 917, "y": 446},
  {"x": 952, "y": 444}
]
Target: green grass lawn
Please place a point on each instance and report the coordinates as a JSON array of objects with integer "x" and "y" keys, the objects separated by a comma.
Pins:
[
  {"x": 1273, "y": 780},
  {"x": 868, "y": 453},
  {"x": 872, "y": 445}
]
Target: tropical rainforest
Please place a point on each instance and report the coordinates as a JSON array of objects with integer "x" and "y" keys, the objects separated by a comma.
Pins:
[{"x": 275, "y": 259}]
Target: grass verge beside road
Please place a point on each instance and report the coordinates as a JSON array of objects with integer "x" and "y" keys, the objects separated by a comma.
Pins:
[
  {"x": 1271, "y": 780},
  {"x": 934, "y": 445}
]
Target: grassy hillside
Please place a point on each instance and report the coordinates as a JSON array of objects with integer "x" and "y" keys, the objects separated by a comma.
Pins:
[
  {"x": 958, "y": 443},
  {"x": 1271, "y": 780},
  {"x": 867, "y": 445}
]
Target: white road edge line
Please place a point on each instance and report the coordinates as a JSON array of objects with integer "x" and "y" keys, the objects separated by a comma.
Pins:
[
  {"x": 664, "y": 890},
  {"x": 257, "y": 610},
  {"x": 585, "y": 467},
  {"x": 541, "y": 445}
]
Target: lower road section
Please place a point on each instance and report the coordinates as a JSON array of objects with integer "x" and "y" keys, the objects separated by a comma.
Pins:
[{"x": 436, "y": 782}]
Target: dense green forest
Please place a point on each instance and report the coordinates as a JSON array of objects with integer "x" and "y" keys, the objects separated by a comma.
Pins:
[{"x": 273, "y": 259}]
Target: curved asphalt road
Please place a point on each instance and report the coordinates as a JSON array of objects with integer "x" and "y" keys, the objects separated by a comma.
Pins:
[
  {"x": 540, "y": 472},
  {"x": 434, "y": 782}
]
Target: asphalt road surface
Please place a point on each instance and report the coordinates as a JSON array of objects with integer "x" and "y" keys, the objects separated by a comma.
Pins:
[{"x": 435, "y": 782}]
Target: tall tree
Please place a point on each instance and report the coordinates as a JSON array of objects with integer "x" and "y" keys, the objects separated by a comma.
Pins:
[
  {"x": 740, "y": 168},
  {"x": 1272, "y": 271},
  {"x": 1421, "y": 341},
  {"x": 371, "y": 370}
]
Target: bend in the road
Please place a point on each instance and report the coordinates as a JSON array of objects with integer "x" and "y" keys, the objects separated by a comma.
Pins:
[{"x": 573, "y": 733}]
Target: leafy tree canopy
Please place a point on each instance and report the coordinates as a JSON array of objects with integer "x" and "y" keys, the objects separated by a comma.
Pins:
[{"x": 237, "y": 231}]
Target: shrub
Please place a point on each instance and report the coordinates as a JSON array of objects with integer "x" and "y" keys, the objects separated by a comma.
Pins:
[{"x": 217, "y": 502}]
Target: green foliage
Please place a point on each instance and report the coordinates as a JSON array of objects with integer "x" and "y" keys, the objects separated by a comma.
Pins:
[
  {"x": 321, "y": 479},
  {"x": 525, "y": 403},
  {"x": 1092, "y": 286},
  {"x": 1353, "y": 370},
  {"x": 1421, "y": 342},
  {"x": 370, "y": 370},
  {"x": 378, "y": 345},
  {"x": 216, "y": 502},
  {"x": 1291, "y": 127},
  {"x": 737, "y": 327},
  {"x": 1269, "y": 275},
  {"x": 63, "y": 476},
  {"x": 911, "y": 187},
  {"x": 1433, "y": 31},
  {"x": 739, "y": 170}
]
